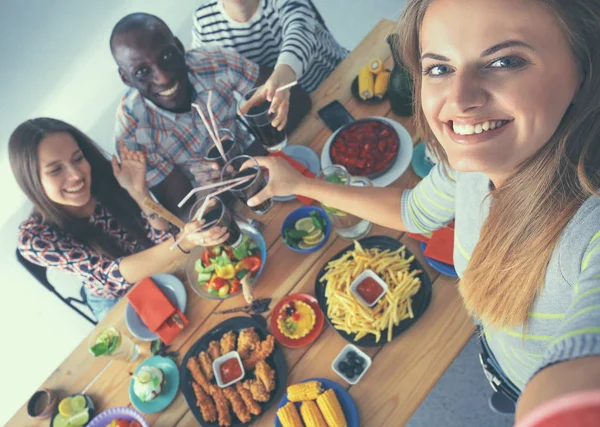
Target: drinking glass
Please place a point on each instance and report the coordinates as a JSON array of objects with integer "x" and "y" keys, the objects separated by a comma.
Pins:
[
  {"x": 231, "y": 147},
  {"x": 216, "y": 214},
  {"x": 246, "y": 190},
  {"x": 110, "y": 342},
  {"x": 346, "y": 225},
  {"x": 260, "y": 121}
]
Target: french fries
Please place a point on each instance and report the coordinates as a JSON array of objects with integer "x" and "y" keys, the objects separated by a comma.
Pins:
[{"x": 344, "y": 309}]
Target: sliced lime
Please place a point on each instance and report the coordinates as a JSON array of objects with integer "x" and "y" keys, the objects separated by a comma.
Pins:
[
  {"x": 313, "y": 235},
  {"x": 143, "y": 377},
  {"x": 313, "y": 241},
  {"x": 65, "y": 407},
  {"x": 305, "y": 224},
  {"x": 80, "y": 418},
  {"x": 60, "y": 421},
  {"x": 303, "y": 245},
  {"x": 78, "y": 403}
]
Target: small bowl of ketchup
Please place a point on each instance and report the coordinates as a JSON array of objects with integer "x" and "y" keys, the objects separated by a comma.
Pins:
[
  {"x": 368, "y": 288},
  {"x": 228, "y": 369}
]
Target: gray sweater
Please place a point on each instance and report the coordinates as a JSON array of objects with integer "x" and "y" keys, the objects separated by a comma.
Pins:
[{"x": 565, "y": 319}]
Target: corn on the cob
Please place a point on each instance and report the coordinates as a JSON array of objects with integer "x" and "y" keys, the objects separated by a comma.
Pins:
[
  {"x": 366, "y": 83},
  {"x": 304, "y": 391},
  {"x": 381, "y": 84},
  {"x": 376, "y": 66},
  {"x": 331, "y": 409},
  {"x": 311, "y": 415},
  {"x": 288, "y": 416}
]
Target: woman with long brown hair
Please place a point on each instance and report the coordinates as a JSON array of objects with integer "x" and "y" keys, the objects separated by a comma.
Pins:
[
  {"x": 88, "y": 218},
  {"x": 507, "y": 93}
]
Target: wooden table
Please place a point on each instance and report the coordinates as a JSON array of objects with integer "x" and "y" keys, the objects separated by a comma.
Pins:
[{"x": 403, "y": 371}]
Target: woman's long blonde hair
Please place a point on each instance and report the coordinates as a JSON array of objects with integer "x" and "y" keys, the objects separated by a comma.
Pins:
[{"x": 529, "y": 212}]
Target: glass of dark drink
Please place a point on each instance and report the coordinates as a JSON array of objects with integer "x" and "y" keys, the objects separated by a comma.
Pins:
[
  {"x": 259, "y": 119},
  {"x": 216, "y": 214},
  {"x": 246, "y": 190},
  {"x": 231, "y": 147}
]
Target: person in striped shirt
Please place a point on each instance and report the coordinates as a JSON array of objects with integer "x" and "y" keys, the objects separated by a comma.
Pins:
[
  {"x": 508, "y": 99},
  {"x": 288, "y": 35},
  {"x": 155, "y": 115}
]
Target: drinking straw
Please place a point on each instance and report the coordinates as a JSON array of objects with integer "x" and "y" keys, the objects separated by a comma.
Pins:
[
  {"x": 209, "y": 186},
  {"x": 289, "y": 85},
  {"x": 214, "y": 124},
  {"x": 210, "y": 132},
  {"x": 96, "y": 377}
]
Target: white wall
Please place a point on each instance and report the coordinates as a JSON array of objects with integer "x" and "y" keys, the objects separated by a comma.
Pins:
[{"x": 56, "y": 62}]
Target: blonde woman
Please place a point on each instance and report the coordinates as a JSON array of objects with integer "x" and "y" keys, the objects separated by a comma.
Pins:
[{"x": 508, "y": 91}]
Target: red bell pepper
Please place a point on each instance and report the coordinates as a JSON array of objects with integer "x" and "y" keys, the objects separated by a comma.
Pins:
[
  {"x": 216, "y": 283},
  {"x": 251, "y": 263}
]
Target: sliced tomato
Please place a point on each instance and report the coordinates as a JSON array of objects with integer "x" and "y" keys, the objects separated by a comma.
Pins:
[
  {"x": 206, "y": 258},
  {"x": 217, "y": 283},
  {"x": 122, "y": 423},
  {"x": 236, "y": 286}
]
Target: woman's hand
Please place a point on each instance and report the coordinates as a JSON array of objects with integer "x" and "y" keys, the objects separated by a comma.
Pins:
[
  {"x": 212, "y": 237},
  {"x": 131, "y": 172},
  {"x": 284, "y": 180},
  {"x": 280, "y": 101}
]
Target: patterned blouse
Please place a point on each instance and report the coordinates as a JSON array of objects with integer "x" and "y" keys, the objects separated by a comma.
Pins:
[{"x": 48, "y": 247}]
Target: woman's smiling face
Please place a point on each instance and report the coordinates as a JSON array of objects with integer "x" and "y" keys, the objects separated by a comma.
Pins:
[{"x": 498, "y": 76}]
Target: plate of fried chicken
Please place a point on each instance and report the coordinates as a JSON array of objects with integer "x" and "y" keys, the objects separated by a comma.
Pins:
[{"x": 243, "y": 402}]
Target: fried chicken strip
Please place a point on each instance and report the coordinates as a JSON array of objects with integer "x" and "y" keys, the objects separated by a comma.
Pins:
[
  {"x": 228, "y": 342},
  {"x": 257, "y": 389},
  {"x": 261, "y": 352},
  {"x": 247, "y": 342},
  {"x": 205, "y": 403},
  {"x": 214, "y": 350},
  {"x": 246, "y": 396},
  {"x": 222, "y": 406},
  {"x": 206, "y": 365},
  {"x": 194, "y": 366},
  {"x": 266, "y": 375},
  {"x": 237, "y": 404}
]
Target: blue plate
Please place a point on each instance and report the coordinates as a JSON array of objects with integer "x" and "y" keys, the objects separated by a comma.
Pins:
[
  {"x": 419, "y": 162},
  {"x": 306, "y": 157},
  {"x": 346, "y": 401},
  {"x": 304, "y": 212},
  {"x": 169, "y": 390},
  {"x": 442, "y": 267},
  {"x": 173, "y": 289}
]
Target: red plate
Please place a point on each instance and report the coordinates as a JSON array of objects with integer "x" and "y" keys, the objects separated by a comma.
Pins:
[{"x": 304, "y": 341}]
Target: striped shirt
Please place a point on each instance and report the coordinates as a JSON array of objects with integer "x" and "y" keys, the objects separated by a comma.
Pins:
[
  {"x": 170, "y": 139},
  {"x": 565, "y": 319},
  {"x": 280, "y": 32},
  {"x": 46, "y": 246}
]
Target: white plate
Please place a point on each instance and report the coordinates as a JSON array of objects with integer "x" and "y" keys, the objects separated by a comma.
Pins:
[
  {"x": 305, "y": 156},
  {"x": 173, "y": 289},
  {"x": 400, "y": 165}
]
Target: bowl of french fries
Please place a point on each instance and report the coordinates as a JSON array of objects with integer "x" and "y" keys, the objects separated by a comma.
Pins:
[
  {"x": 406, "y": 299},
  {"x": 371, "y": 83}
]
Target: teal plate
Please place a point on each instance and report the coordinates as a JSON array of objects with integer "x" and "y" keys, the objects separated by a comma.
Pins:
[{"x": 169, "y": 390}]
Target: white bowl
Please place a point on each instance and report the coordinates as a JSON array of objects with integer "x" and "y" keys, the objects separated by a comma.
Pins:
[
  {"x": 342, "y": 356},
  {"x": 217, "y": 365},
  {"x": 363, "y": 276}
]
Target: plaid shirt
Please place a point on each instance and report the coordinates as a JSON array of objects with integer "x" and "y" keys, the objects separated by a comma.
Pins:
[
  {"x": 43, "y": 245},
  {"x": 170, "y": 139}
]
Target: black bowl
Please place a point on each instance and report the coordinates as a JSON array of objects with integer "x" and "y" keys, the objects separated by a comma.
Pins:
[
  {"x": 367, "y": 119},
  {"x": 420, "y": 300},
  {"x": 276, "y": 360},
  {"x": 90, "y": 406},
  {"x": 356, "y": 95}
]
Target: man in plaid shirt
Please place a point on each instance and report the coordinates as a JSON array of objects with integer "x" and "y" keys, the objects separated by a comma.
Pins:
[{"x": 155, "y": 115}]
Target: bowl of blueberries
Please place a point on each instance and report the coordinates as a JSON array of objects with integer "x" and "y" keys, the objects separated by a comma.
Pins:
[{"x": 351, "y": 364}]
